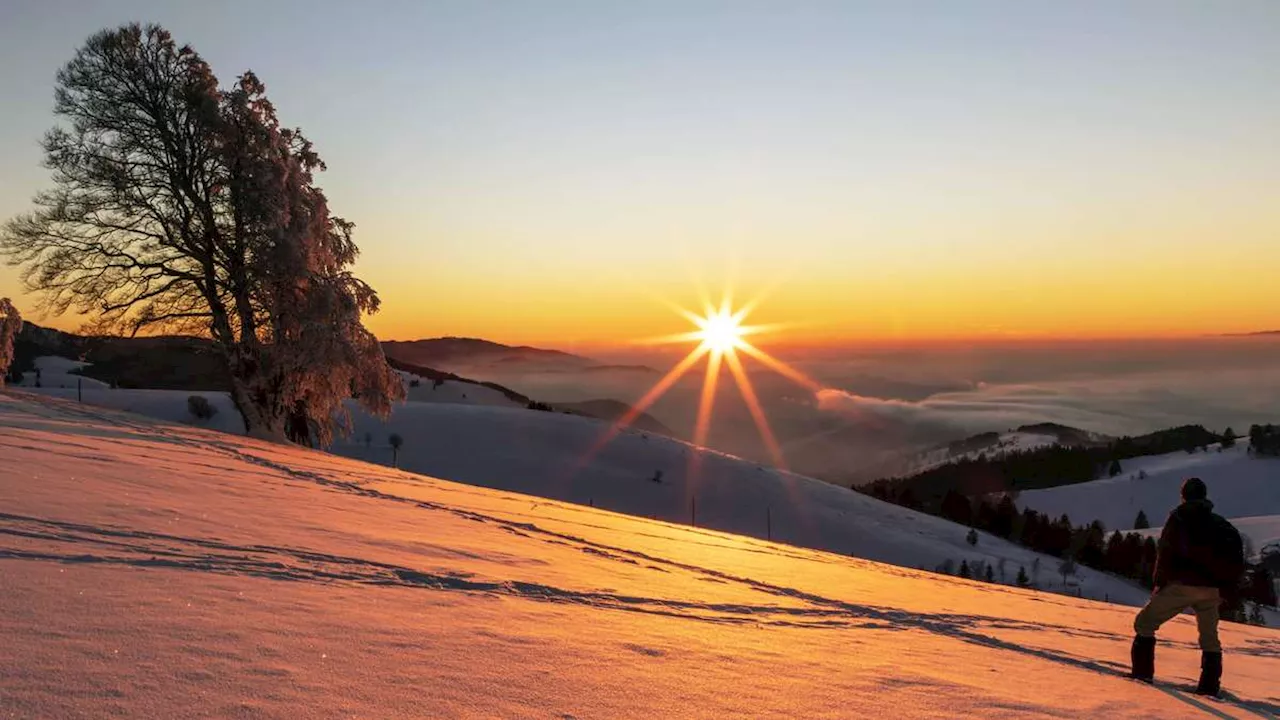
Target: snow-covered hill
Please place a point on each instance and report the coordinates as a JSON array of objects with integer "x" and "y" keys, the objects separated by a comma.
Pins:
[
  {"x": 57, "y": 372},
  {"x": 1263, "y": 532},
  {"x": 550, "y": 455},
  {"x": 455, "y": 392},
  {"x": 1240, "y": 486},
  {"x": 992, "y": 445},
  {"x": 161, "y": 570}
]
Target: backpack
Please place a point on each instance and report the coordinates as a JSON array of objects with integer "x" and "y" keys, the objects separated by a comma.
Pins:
[{"x": 1228, "y": 567}]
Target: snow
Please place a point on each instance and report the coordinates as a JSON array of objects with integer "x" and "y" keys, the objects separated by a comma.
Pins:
[
  {"x": 162, "y": 570},
  {"x": 452, "y": 391},
  {"x": 1239, "y": 485},
  {"x": 541, "y": 453},
  {"x": 1262, "y": 531},
  {"x": 57, "y": 372},
  {"x": 1010, "y": 442}
]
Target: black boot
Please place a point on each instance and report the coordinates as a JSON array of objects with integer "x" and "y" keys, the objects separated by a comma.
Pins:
[
  {"x": 1210, "y": 673},
  {"x": 1143, "y": 657}
]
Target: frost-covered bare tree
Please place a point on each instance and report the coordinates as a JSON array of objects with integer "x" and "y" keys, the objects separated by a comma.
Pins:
[
  {"x": 10, "y": 325},
  {"x": 184, "y": 207}
]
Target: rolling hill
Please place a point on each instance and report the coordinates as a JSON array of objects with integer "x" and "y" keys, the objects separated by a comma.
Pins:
[
  {"x": 549, "y": 455},
  {"x": 161, "y": 570},
  {"x": 456, "y": 352},
  {"x": 1242, "y": 488}
]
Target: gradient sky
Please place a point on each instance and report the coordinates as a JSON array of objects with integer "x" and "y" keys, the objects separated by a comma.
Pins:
[{"x": 537, "y": 171}]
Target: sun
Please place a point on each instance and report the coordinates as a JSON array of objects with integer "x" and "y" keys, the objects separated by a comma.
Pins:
[
  {"x": 721, "y": 331},
  {"x": 719, "y": 339}
]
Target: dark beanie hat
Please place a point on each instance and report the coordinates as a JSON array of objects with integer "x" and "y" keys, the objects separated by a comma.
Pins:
[{"x": 1194, "y": 489}]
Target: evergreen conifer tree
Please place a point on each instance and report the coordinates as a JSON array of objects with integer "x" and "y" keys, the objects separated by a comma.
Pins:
[{"x": 1141, "y": 522}]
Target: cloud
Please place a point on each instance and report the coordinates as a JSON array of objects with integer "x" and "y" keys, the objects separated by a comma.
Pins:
[
  {"x": 987, "y": 408},
  {"x": 1116, "y": 406}
]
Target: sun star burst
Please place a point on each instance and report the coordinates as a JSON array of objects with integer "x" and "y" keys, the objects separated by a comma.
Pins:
[
  {"x": 721, "y": 332},
  {"x": 719, "y": 337}
]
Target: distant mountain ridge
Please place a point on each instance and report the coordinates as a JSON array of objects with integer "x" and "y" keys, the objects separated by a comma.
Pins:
[
  {"x": 613, "y": 410},
  {"x": 469, "y": 353},
  {"x": 463, "y": 350},
  {"x": 190, "y": 363}
]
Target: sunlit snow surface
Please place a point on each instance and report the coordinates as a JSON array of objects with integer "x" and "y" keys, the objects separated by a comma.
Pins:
[
  {"x": 156, "y": 570},
  {"x": 557, "y": 456}
]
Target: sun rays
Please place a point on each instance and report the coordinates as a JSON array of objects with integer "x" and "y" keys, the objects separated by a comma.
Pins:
[{"x": 720, "y": 337}]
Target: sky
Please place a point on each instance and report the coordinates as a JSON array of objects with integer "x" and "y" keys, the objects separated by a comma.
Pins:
[{"x": 550, "y": 172}]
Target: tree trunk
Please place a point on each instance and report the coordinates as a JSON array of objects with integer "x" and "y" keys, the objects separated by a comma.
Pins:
[
  {"x": 258, "y": 421},
  {"x": 263, "y": 417}
]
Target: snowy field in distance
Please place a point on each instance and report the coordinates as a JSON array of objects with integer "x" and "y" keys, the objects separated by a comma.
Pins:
[
  {"x": 56, "y": 372},
  {"x": 162, "y": 570},
  {"x": 1240, "y": 486}
]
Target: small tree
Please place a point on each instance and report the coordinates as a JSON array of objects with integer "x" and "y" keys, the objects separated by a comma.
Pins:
[
  {"x": 200, "y": 407},
  {"x": 1228, "y": 438},
  {"x": 1067, "y": 567},
  {"x": 10, "y": 324},
  {"x": 972, "y": 537},
  {"x": 368, "y": 440},
  {"x": 991, "y": 576},
  {"x": 396, "y": 442},
  {"x": 1141, "y": 522},
  {"x": 1260, "y": 586},
  {"x": 964, "y": 569},
  {"x": 1115, "y": 468},
  {"x": 1023, "y": 580}
]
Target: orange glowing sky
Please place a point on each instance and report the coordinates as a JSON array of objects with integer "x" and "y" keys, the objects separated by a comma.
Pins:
[{"x": 986, "y": 170}]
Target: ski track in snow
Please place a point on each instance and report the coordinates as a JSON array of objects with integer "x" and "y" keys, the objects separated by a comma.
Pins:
[{"x": 769, "y": 604}]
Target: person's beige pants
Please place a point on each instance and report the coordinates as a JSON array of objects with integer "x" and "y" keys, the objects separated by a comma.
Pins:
[{"x": 1173, "y": 599}]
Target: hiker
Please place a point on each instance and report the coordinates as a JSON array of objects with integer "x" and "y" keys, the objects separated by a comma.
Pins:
[{"x": 1199, "y": 563}]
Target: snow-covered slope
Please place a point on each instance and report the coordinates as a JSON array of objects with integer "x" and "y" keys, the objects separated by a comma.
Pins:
[
  {"x": 543, "y": 454},
  {"x": 158, "y": 570},
  {"x": 1263, "y": 531},
  {"x": 1240, "y": 486},
  {"x": 56, "y": 372},
  {"x": 993, "y": 446},
  {"x": 453, "y": 391}
]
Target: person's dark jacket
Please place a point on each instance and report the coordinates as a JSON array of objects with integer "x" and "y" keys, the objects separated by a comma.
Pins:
[{"x": 1200, "y": 548}]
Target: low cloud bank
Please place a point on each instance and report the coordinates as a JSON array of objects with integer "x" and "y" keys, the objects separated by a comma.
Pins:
[{"x": 1115, "y": 406}]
